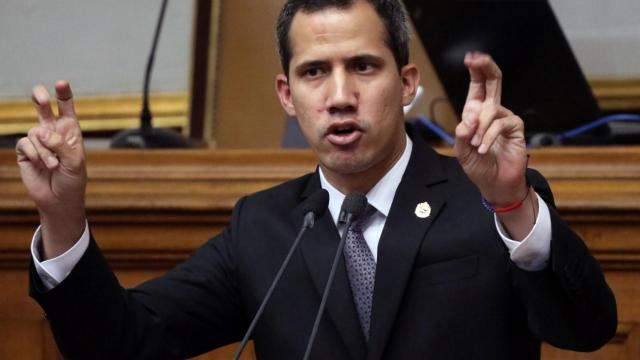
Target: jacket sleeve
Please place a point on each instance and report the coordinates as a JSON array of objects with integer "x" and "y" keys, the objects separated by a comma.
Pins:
[
  {"x": 568, "y": 304},
  {"x": 192, "y": 309}
]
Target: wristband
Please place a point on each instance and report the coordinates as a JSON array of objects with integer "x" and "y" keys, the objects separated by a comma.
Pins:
[{"x": 505, "y": 209}]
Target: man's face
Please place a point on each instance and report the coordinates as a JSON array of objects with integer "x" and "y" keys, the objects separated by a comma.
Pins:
[{"x": 345, "y": 89}]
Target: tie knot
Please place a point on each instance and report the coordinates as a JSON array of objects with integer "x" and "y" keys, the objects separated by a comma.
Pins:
[{"x": 362, "y": 220}]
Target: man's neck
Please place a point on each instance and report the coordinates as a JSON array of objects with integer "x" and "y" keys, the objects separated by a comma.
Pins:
[
  {"x": 365, "y": 180},
  {"x": 348, "y": 183}
]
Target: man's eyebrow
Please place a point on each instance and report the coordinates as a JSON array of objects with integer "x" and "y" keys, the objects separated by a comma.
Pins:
[
  {"x": 310, "y": 64},
  {"x": 367, "y": 58}
]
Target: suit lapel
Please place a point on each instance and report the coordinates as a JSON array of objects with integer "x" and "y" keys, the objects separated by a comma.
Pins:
[
  {"x": 401, "y": 239},
  {"x": 318, "y": 248}
]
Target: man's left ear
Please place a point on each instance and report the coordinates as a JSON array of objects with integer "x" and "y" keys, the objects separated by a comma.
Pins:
[{"x": 410, "y": 80}]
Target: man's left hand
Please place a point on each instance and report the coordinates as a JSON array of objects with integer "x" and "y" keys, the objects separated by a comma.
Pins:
[{"x": 490, "y": 143}]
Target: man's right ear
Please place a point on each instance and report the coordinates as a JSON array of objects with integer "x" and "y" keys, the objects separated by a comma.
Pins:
[{"x": 284, "y": 94}]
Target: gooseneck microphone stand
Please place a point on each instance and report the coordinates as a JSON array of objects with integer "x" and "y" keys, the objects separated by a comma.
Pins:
[{"x": 148, "y": 137}]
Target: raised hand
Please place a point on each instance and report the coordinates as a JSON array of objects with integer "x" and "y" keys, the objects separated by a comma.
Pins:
[
  {"x": 490, "y": 143},
  {"x": 51, "y": 159},
  {"x": 491, "y": 148}
]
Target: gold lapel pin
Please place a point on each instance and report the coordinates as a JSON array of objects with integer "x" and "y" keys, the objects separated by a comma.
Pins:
[{"x": 423, "y": 210}]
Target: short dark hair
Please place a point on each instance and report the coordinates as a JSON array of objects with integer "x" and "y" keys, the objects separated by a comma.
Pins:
[{"x": 391, "y": 12}]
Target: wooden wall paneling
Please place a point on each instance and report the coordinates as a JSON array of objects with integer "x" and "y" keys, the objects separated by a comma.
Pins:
[
  {"x": 22, "y": 325},
  {"x": 633, "y": 343},
  {"x": 150, "y": 209},
  {"x": 247, "y": 111},
  {"x": 204, "y": 60},
  {"x": 101, "y": 113},
  {"x": 617, "y": 94}
]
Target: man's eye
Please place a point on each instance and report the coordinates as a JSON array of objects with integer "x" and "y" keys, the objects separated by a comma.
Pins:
[
  {"x": 363, "y": 67},
  {"x": 313, "y": 72}
]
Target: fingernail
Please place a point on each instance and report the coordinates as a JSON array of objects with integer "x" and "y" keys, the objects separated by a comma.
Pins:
[
  {"x": 52, "y": 161},
  {"x": 39, "y": 95},
  {"x": 483, "y": 149},
  {"x": 476, "y": 140}
]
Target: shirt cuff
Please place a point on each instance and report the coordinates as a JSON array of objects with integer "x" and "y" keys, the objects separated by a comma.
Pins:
[
  {"x": 534, "y": 251},
  {"x": 53, "y": 271}
]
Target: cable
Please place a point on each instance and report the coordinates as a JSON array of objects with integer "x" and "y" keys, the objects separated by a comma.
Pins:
[
  {"x": 440, "y": 132},
  {"x": 599, "y": 122},
  {"x": 552, "y": 138}
]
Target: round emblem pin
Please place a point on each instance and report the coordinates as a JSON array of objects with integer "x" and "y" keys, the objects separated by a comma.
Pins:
[{"x": 423, "y": 210}]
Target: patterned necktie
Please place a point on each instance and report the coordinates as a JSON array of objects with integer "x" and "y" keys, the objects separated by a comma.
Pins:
[{"x": 361, "y": 268}]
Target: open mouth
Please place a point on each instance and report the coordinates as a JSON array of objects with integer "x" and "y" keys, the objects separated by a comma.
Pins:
[
  {"x": 343, "y": 130},
  {"x": 344, "y": 134}
]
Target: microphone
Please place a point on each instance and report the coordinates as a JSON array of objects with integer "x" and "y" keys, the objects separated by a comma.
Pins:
[
  {"x": 314, "y": 208},
  {"x": 352, "y": 207},
  {"x": 148, "y": 137}
]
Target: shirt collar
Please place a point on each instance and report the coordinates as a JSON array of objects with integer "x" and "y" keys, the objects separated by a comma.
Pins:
[{"x": 382, "y": 193}]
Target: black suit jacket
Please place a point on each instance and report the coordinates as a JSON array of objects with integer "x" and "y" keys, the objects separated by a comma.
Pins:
[{"x": 445, "y": 286}]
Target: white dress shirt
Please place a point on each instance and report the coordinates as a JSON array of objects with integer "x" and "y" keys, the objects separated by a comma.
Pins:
[{"x": 532, "y": 253}]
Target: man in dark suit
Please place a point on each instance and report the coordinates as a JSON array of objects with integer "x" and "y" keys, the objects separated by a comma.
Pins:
[{"x": 470, "y": 259}]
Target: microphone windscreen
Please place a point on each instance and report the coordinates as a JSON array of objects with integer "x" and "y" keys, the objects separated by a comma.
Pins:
[
  {"x": 354, "y": 204},
  {"x": 317, "y": 203}
]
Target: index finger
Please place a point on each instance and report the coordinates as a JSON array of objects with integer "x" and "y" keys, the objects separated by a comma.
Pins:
[
  {"x": 486, "y": 78},
  {"x": 64, "y": 96},
  {"x": 42, "y": 103}
]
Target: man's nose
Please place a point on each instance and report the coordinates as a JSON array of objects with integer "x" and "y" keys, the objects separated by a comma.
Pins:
[{"x": 342, "y": 93}]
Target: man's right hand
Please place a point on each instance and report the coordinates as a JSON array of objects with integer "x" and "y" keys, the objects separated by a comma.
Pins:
[{"x": 51, "y": 159}]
